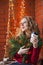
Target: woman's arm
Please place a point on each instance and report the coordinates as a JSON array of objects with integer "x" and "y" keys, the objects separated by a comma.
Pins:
[
  {"x": 34, "y": 40},
  {"x": 35, "y": 55}
]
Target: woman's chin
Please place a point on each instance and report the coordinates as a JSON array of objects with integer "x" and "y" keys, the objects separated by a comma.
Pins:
[{"x": 23, "y": 30}]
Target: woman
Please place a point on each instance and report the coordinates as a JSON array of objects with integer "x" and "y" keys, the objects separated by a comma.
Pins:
[{"x": 28, "y": 28}]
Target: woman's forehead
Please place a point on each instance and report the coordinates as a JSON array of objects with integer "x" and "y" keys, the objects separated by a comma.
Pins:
[{"x": 23, "y": 20}]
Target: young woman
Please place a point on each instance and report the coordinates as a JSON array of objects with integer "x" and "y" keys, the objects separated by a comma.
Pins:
[{"x": 29, "y": 29}]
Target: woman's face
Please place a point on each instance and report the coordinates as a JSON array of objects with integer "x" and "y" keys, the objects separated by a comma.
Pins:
[{"x": 24, "y": 24}]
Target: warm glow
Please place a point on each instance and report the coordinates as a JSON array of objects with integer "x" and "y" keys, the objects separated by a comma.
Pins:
[
  {"x": 10, "y": 21},
  {"x": 22, "y": 12},
  {"x": 10, "y": 0}
]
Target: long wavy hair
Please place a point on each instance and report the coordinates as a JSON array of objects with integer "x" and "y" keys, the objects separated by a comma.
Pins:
[{"x": 31, "y": 24}]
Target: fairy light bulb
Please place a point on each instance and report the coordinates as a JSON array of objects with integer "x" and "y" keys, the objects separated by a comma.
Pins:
[
  {"x": 10, "y": 15},
  {"x": 22, "y": 12},
  {"x": 10, "y": 0}
]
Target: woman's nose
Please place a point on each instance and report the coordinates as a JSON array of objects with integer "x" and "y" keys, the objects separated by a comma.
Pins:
[{"x": 22, "y": 24}]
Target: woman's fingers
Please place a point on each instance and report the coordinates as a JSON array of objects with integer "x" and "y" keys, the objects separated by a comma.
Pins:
[
  {"x": 23, "y": 50},
  {"x": 23, "y": 46},
  {"x": 26, "y": 49}
]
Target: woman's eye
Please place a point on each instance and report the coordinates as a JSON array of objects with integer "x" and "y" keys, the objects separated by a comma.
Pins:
[{"x": 25, "y": 22}]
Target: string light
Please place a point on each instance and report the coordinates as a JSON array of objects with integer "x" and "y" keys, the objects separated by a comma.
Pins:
[
  {"x": 10, "y": 15},
  {"x": 22, "y": 12}
]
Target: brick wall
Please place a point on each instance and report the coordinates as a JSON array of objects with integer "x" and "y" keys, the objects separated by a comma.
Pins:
[
  {"x": 3, "y": 27},
  {"x": 39, "y": 20},
  {"x": 39, "y": 15},
  {"x": 29, "y": 8}
]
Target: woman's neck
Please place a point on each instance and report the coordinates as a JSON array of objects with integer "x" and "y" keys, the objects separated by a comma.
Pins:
[{"x": 28, "y": 33}]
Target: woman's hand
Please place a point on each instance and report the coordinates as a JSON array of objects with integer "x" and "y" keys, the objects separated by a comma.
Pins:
[
  {"x": 34, "y": 40},
  {"x": 23, "y": 50}
]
